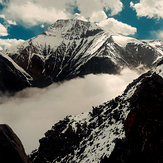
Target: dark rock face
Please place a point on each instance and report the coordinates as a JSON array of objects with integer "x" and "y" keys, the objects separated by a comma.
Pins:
[
  {"x": 11, "y": 79},
  {"x": 11, "y": 148},
  {"x": 143, "y": 126},
  {"x": 97, "y": 65},
  {"x": 141, "y": 53}
]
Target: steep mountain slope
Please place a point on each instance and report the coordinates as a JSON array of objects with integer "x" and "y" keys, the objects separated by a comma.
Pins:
[
  {"x": 125, "y": 129},
  {"x": 12, "y": 76},
  {"x": 71, "y": 48},
  {"x": 143, "y": 126}
]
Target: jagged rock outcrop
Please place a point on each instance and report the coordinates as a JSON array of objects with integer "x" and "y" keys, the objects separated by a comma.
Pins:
[{"x": 11, "y": 148}]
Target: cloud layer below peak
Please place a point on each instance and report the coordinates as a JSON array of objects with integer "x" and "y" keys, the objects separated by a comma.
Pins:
[{"x": 33, "y": 111}]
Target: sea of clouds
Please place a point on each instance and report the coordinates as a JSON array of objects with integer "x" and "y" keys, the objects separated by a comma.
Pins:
[{"x": 33, "y": 111}]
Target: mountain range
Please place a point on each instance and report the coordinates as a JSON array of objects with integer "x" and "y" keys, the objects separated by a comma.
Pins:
[
  {"x": 123, "y": 130},
  {"x": 73, "y": 48}
]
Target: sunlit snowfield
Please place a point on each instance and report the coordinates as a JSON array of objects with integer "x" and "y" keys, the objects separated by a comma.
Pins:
[{"x": 33, "y": 111}]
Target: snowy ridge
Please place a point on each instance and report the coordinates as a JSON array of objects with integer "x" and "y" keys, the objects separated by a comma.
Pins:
[
  {"x": 13, "y": 78},
  {"x": 102, "y": 140},
  {"x": 92, "y": 134}
]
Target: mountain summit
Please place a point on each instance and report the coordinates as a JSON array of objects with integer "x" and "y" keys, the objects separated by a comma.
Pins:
[{"x": 72, "y": 29}]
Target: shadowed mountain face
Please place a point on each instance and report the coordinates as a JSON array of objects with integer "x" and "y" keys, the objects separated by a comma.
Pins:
[
  {"x": 124, "y": 130},
  {"x": 73, "y": 48},
  {"x": 12, "y": 77},
  {"x": 11, "y": 148}
]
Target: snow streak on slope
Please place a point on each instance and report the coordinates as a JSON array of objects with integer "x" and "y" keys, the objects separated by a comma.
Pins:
[
  {"x": 158, "y": 44},
  {"x": 159, "y": 70}
]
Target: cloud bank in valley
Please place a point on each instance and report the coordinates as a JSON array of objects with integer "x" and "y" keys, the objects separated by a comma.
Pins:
[{"x": 33, "y": 111}]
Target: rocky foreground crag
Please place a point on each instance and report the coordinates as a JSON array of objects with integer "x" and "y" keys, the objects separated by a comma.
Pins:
[
  {"x": 143, "y": 126},
  {"x": 11, "y": 148}
]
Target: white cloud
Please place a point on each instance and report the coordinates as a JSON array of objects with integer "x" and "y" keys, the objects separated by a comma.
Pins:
[
  {"x": 42, "y": 26},
  {"x": 33, "y": 111},
  {"x": 114, "y": 5},
  {"x": 3, "y": 30},
  {"x": 98, "y": 16},
  {"x": 59, "y": 5},
  {"x": 87, "y": 8},
  {"x": 117, "y": 27},
  {"x": 10, "y": 22},
  {"x": 79, "y": 17},
  {"x": 157, "y": 34},
  {"x": 5, "y": 43},
  {"x": 34, "y": 12},
  {"x": 31, "y": 14},
  {"x": 2, "y": 16},
  {"x": 148, "y": 8}
]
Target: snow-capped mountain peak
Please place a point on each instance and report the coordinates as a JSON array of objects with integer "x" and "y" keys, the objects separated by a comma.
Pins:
[
  {"x": 71, "y": 48},
  {"x": 72, "y": 29}
]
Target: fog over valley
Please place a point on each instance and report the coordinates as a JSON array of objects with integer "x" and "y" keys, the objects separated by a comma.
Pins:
[{"x": 32, "y": 111}]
